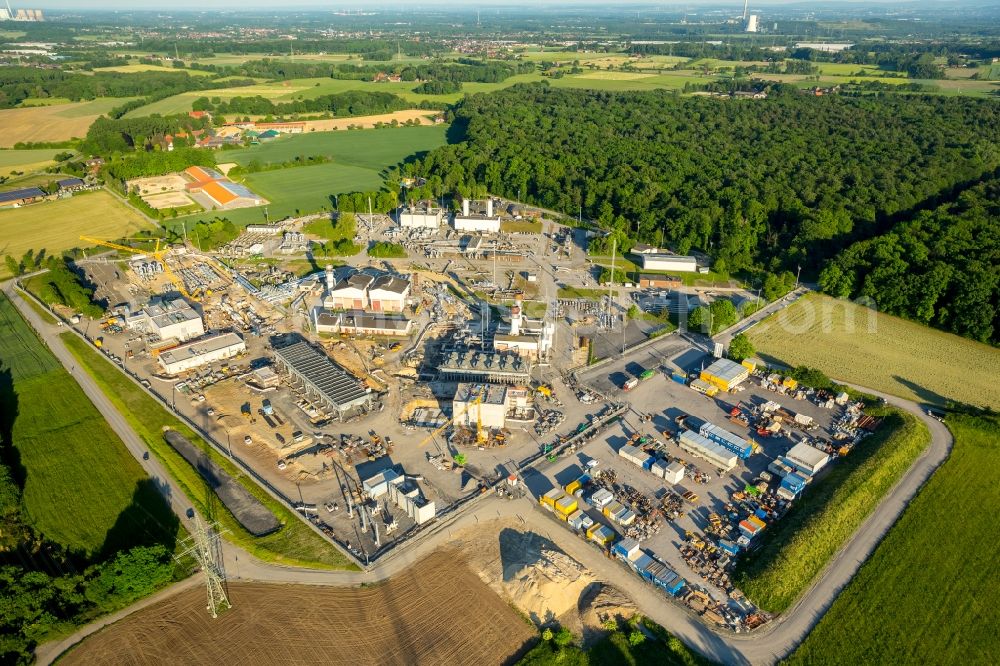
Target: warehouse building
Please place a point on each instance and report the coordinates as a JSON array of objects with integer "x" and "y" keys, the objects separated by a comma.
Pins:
[
  {"x": 422, "y": 215},
  {"x": 494, "y": 367},
  {"x": 360, "y": 323},
  {"x": 654, "y": 281},
  {"x": 487, "y": 403},
  {"x": 174, "y": 319},
  {"x": 477, "y": 217},
  {"x": 725, "y": 374},
  {"x": 388, "y": 293},
  {"x": 806, "y": 459},
  {"x": 25, "y": 195},
  {"x": 321, "y": 379},
  {"x": 201, "y": 352},
  {"x": 668, "y": 262}
]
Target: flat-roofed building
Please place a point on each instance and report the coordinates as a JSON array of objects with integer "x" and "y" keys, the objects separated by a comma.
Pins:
[
  {"x": 360, "y": 323},
  {"x": 668, "y": 262},
  {"x": 725, "y": 374},
  {"x": 173, "y": 319},
  {"x": 201, "y": 352},
  {"x": 477, "y": 217},
  {"x": 485, "y": 403},
  {"x": 320, "y": 378},
  {"x": 422, "y": 215}
]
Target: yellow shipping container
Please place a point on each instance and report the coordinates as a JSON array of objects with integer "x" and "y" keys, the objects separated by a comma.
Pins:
[
  {"x": 573, "y": 487},
  {"x": 593, "y": 528},
  {"x": 757, "y": 521},
  {"x": 566, "y": 505},
  {"x": 790, "y": 383},
  {"x": 750, "y": 364},
  {"x": 550, "y": 498}
]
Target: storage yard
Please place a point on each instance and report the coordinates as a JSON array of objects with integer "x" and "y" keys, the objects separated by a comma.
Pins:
[{"x": 438, "y": 612}]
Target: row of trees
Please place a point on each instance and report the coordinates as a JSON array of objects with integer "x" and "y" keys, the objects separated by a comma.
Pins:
[
  {"x": 780, "y": 183},
  {"x": 351, "y": 103},
  {"x": 938, "y": 267},
  {"x": 107, "y": 136}
]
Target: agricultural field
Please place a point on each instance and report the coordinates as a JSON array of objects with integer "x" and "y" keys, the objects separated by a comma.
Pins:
[
  {"x": 438, "y": 612},
  {"x": 359, "y": 157},
  {"x": 928, "y": 591},
  {"x": 369, "y": 149},
  {"x": 57, "y": 225},
  {"x": 855, "y": 344},
  {"x": 44, "y": 101},
  {"x": 26, "y": 161},
  {"x": 82, "y": 488},
  {"x": 131, "y": 69},
  {"x": 294, "y": 544},
  {"x": 60, "y": 122},
  {"x": 796, "y": 549}
]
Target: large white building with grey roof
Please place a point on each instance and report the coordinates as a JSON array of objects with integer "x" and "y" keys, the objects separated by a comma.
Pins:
[{"x": 169, "y": 320}]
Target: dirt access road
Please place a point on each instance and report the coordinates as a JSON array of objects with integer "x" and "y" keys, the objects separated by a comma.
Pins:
[{"x": 763, "y": 647}]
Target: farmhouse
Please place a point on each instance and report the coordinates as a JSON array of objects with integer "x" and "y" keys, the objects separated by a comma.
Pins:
[
  {"x": 20, "y": 197},
  {"x": 71, "y": 184}
]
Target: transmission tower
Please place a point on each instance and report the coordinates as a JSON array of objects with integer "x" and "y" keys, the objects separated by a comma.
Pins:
[{"x": 204, "y": 545}]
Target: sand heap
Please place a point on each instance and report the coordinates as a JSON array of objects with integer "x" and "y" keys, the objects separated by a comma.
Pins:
[{"x": 546, "y": 585}]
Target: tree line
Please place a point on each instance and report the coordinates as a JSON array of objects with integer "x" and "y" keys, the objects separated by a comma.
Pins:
[
  {"x": 351, "y": 103},
  {"x": 938, "y": 267}
]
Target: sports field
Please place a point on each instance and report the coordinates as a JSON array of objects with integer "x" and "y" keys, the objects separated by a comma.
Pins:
[
  {"x": 855, "y": 344},
  {"x": 57, "y": 225},
  {"x": 53, "y": 123},
  {"x": 82, "y": 487},
  {"x": 26, "y": 161},
  {"x": 437, "y": 612},
  {"x": 928, "y": 591}
]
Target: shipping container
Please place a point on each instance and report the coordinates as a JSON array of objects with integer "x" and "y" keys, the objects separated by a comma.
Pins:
[
  {"x": 566, "y": 505},
  {"x": 625, "y": 519},
  {"x": 757, "y": 521},
  {"x": 601, "y": 498},
  {"x": 572, "y": 487},
  {"x": 549, "y": 498},
  {"x": 575, "y": 519},
  {"x": 785, "y": 493},
  {"x": 613, "y": 508},
  {"x": 647, "y": 464},
  {"x": 626, "y": 549},
  {"x": 646, "y": 374},
  {"x": 726, "y": 439},
  {"x": 702, "y": 447},
  {"x": 658, "y": 468},
  {"x": 602, "y": 534},
  {"x": 729, "y": 547},
  {"x": 679, "y": 378},
  {"x": 630, "y": 384}
]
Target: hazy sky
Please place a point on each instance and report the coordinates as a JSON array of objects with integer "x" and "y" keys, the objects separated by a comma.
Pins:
[{"x": 166, "y": 5}]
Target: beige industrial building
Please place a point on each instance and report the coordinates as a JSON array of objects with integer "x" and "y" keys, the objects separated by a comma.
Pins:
[
  {"x": 477, "y": 217},
  {"x": 363, "y": 291},
  {"x": 490, "y": 404},
  {"x": 201, "y": 352},
  {"x": 169, "y": 320},
  {"x": 423, "y": 215}
]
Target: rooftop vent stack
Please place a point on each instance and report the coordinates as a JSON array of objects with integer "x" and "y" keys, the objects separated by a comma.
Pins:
[
  {"x": 329, "y": 279},
  {"x": 465, "y": 208},
  {"x": 489, "y": 207}
]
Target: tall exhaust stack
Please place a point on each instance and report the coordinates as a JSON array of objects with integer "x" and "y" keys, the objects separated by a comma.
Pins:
[
  {"x": 746, "y": 9},
  {"x": 465, "y": 208},
  {"x": 489, "y": 207},
  {"x": 329, "y": 279}
]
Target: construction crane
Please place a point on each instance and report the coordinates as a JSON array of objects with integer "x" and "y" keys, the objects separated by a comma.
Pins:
[
  {"x": 156, "y": 253},
  {"x": 480, "y": 431}
]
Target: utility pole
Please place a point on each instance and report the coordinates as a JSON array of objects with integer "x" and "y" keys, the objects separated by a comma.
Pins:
[
  {"x": 204, "y": 546},
  {"x": 611, "y": 282},
  {"x": 797, "y": 273}
]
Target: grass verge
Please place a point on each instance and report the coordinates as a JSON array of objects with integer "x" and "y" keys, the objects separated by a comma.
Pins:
[
  {"x": 580, "y": 292},
  {"x": 294, "y": 544},
  {"x": 45, "y": 315},
  {"x": 797, "y": 548},
  {"x": 929, "y": 589}
]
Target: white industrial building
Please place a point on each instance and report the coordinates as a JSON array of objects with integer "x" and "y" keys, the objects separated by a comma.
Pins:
[
  {"x": 358, "y": 323},
  {"x": 363, "y": 291},
  {"x": 169, "y": 320},
  {"x": 703, "y": 447},
  {"x": 423, "y": 215},
  {"x": 806, "y": 458},
  {"x": 477, "y": 217},
  {"x": 531, "y": 338},
  {"x": 201, "y": 352},
  {"x": 403, "y": 492},
  {"x": 668, "y": 262},
  {"x": 388, "y": 293},
  {"x": 485, "y": 403}
]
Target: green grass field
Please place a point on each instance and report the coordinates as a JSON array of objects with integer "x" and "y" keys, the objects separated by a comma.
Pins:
[
  {"x": 44, "y": 101},
  {"x": 26, "y": 160},
  {"x": 82, "y": 487},
  {"x": 131, "y": 69},
  {"x": 929, "y": 590},
  {"x": 57, "y": 225},
  {"x": 369, "y": 149},
  {"x": 359, "y": 158},
  {"x": 294, "y": 544},
  {"x": 857, "y": 345},
  {"x": 795, "y": 549}
]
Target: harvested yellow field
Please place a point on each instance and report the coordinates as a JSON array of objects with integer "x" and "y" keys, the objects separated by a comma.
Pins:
[
  {"x": 614, "y": 76},
  {"x": 858, "y": 345},
  {"x": 367, "y": 122},
  {"x": 57, "y": 225},
  {"x": 60, "y": 122}
]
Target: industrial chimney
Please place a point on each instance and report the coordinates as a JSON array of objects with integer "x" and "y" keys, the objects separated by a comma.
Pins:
[
  {"x": 329, "y": 279},
  {"x": 489, "y": 207},
  {"x": 465, "y": 208}
]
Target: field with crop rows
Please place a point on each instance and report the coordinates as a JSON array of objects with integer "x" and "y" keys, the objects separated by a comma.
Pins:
[
  {"x": 57, "y": 225},
  {"x": 59, "y": 122},
  {"x": 929, "y": 590},
  {"x": 797, "y": 548},
  {"x": 82, "y": 487},
  {"x": 26, "y": 161},
  {"x": 295, "y": 543},
  {"x": 855, "y": 344},
  {"x": 437, "y": 612}
]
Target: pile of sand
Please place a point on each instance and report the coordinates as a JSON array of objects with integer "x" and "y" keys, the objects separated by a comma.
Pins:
[{"x": 547, "y": 586}]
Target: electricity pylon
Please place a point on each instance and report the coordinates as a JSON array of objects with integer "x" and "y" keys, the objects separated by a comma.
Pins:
[{"x": 205, "y": 546}]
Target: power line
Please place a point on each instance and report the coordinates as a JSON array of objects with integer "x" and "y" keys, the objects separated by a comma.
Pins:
[{"x": 204, "y": 545}]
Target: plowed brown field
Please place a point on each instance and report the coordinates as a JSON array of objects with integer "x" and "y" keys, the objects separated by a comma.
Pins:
[{"x": 438, "y": 612}]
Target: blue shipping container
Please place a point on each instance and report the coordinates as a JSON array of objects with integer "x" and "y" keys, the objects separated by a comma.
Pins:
[
  {"x": 676, "y": 586},
  {"x": 760, "y": 513},
  {"x": 679, "y": 378},
  {"x": 794, "y": 482},
  {"x": 648, "y": 463},
  {"x": 729, "y": 547}
]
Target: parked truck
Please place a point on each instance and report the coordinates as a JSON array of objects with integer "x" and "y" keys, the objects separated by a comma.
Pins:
[{"x": 630, "y": 384}]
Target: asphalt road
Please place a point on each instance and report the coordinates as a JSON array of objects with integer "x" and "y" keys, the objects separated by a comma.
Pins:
[{"x": 765, "y": 646}]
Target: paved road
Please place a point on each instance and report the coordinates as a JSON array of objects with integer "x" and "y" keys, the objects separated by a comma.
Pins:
[{"x": 763, "y": 647}]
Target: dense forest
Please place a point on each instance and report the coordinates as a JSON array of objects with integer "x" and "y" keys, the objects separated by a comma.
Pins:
[
  {"x": 767, "y": 185},
  {"x": 351, "y": 103},
  {"x": 20, "y": 83},
  {"x": 940, "y": 267},
  {"x": 462, "y": 70}
]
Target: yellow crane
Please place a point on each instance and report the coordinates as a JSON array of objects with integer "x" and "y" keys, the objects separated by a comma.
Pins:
[
  {"x": 480, "y": 432},
  {"x": 156, "y": 253}
]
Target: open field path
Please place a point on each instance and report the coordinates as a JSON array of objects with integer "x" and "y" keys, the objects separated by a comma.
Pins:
[{"x": 765, "y": 646}]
